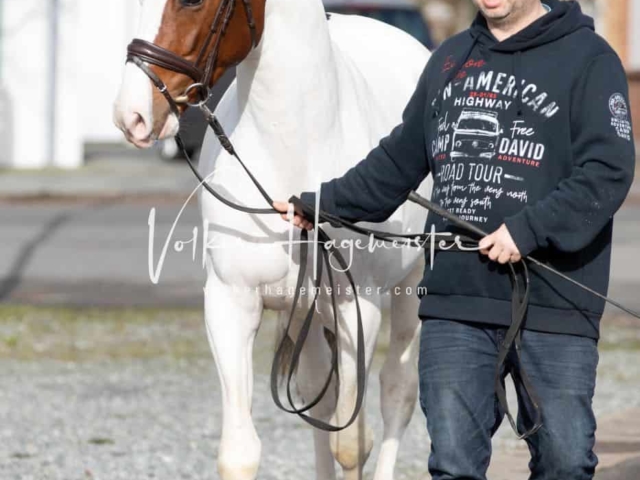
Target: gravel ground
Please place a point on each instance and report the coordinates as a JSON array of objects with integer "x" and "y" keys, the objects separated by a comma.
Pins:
[{"x": 133, "y": 394}]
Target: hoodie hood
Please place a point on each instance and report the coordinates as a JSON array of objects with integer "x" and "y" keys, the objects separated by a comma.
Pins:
[{"x": 563, "y": 19}]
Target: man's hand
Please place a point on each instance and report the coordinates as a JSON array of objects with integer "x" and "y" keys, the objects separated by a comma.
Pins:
[
  {"x": 298, "y": 221},
  {"x": 500, "y": 247}
]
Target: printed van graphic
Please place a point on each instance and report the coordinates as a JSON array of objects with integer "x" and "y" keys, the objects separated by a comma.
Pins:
[{"x": 476, "y": 134}]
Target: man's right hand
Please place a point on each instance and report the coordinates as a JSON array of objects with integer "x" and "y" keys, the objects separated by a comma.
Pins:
[{"x": 298, "y": 220}]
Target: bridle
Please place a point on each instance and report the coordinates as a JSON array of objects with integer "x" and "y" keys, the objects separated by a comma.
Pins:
[{"x": 143, "y": 53}]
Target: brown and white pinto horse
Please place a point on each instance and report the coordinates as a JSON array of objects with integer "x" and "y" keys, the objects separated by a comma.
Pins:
[{"x": 310, "y": 100}]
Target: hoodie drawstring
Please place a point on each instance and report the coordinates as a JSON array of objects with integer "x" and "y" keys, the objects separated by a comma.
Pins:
[{"x": 517, "y": 70}]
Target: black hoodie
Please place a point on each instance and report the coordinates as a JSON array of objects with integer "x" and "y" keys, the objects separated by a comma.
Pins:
[{"x": 533, "y": 132}]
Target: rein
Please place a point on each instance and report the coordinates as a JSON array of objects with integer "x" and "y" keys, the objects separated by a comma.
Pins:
[{"x": 143, "y": 53}]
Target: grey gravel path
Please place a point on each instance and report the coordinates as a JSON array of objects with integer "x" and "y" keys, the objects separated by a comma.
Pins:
[{"x": 158, "y": 417}]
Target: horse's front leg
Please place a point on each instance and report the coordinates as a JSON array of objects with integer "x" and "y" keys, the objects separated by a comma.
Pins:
[
  {"x": 351, "y": 447},
  {"x": 232, "y": 318}
]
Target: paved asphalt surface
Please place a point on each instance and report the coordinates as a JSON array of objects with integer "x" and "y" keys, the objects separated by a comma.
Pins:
[
  {"x": 629, "y": 470},
  {"x": 95, "y": 252}
]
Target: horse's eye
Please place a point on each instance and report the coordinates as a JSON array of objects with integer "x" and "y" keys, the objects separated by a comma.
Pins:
[{"x": 190, "y": 3}]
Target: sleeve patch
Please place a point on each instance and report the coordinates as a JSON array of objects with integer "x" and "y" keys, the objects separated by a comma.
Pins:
[{"x": 620, "y": 116}]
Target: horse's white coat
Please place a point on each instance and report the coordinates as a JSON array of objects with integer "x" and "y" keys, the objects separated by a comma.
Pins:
[{"x": 308, "y": 103}]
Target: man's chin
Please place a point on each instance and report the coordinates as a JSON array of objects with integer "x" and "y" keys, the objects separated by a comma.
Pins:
[{"x": 495, "y": 16}]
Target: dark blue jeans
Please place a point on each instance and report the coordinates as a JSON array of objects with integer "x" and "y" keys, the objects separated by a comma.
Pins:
[{"x": 457, "y": 395}]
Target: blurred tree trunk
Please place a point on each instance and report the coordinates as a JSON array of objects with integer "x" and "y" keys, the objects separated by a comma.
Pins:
[
  {"x": 447, "y": 17},
  {"x": 613, "y": 24}
]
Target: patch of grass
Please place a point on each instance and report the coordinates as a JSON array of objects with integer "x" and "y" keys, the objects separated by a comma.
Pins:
[
  {"x": 17, "y": 312},
  {"x": 80, "y": 334},
  {"x": 21, "y": 455},
  {"x": 627, "y": 344},
  {"x": 11, "y": 341},
  {"x": 52, "y": 171},
  {"x": 101, "y": 441},
  {"x": 621, "y": 334}
]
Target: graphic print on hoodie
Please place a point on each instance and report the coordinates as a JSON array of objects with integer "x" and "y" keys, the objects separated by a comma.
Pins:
[
  {"x": 533, "y": 132},
  {"x": 483, "y": 133}
]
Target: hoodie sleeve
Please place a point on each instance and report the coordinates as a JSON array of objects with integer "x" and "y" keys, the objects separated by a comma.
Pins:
[
  {"x": 573, "y": 215},
  {"x": 373, "y": 189}
]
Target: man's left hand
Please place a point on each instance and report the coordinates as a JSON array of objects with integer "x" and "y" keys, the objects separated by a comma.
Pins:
[{"x": 500, "y": 247}]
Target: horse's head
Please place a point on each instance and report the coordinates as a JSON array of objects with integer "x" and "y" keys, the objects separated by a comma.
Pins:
[{"x": 183, "y": 48}]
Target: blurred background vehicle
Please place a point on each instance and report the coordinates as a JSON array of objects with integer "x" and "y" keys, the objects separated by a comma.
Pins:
[{"x": 403, "y": 14}]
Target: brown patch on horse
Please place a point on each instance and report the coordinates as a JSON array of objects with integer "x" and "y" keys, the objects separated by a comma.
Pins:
[{"x": 184, "y": 31}]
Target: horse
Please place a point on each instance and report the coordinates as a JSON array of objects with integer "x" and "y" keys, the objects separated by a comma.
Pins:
[{"x": 313, "y": 95}]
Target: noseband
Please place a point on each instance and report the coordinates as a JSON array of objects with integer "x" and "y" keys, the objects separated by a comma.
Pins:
[{"x": 143, "y": 53}]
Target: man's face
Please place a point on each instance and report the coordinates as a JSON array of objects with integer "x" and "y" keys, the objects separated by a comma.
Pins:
[{"x": 502, "y": 10}]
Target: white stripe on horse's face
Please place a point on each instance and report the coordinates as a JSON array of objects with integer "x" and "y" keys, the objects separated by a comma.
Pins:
[
  {"x": 151, "y": 19},
  {"x": 133, "y": 109}
]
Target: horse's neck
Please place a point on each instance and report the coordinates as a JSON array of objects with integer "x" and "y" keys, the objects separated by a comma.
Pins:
[{"x": 288, "y": 85}]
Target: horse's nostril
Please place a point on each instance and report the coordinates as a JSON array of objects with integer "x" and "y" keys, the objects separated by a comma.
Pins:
[{"x": 137, "y": 126}]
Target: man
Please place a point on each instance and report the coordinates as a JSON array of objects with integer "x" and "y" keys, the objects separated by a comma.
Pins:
[{"x": 523, "y": 122}]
